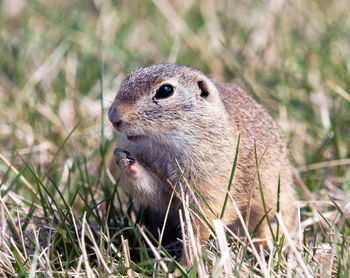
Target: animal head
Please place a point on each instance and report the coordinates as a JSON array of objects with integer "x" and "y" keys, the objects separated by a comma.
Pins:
[{"x": 161, "y": 101}]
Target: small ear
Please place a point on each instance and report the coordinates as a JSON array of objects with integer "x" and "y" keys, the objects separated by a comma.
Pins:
[{"x": 204, "y": 88}]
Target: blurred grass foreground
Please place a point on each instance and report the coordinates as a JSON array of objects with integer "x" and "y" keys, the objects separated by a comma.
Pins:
[{"x": 61, "y": 62}]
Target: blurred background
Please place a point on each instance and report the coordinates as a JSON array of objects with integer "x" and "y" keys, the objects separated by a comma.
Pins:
[
  {"x": 61, "y": 63},
  {"x": 57, "y": 57}
]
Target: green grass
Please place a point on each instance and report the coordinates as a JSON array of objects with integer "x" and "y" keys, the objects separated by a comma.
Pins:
[{"x": 61, "y": 63}]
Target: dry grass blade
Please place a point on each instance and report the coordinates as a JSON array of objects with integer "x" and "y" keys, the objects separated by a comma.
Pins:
[
  {"x": 225, "y": 258},
  {"x": 155, "y": 252},
  {"x": 338, "y": 90},
  {"x": 78, "y": 269},
  {"x": 291, "y": 243},
  {"x": 345, "y": 208},
  {"x": 185, "y": 245},
  {"x": 317, "y": 218},
  {"x": 9, "y": 214},
  {"x": 326, "y": 164},
  {"x": 166, "y": 218},
  {"x": 23, "y": 179},
  {"x": 245, "y": 228},
  {"x": 193, "y": 243},
  {"x": 34, "y": 263},
  {"x": 6, "y": 259},
  {"x": 21, "y": 234},
  {"x": 126, "y": 253},
  {"x": 75, "y": 228},
  {"x": 326, "y": 261},
  {"x": 97, "y": 251},
  {"x": 88, "y": 269},
  {"x": 306, "y": 192},
  {"x": 14, "y": 244}
]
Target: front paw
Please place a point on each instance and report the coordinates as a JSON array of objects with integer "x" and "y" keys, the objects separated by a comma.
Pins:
[{"x": 123, "y": 158}]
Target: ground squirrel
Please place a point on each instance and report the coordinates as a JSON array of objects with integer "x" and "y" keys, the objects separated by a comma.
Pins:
[{"x": 174, "y": 119}]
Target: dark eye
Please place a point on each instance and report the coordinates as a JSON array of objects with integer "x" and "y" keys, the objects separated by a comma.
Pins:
[{"x": 164, "y": 91}]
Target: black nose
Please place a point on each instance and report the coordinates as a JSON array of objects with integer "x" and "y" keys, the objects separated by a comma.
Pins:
[{"x": 113, "y": 116}]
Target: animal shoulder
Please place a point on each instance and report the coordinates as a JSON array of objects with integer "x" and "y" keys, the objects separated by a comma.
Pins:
[{"x": 247, "y": 116}]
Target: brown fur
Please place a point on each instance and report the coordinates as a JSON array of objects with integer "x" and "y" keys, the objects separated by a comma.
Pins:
[{"x": 198, "y": 133}]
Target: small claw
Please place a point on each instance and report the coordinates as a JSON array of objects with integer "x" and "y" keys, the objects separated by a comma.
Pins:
[
  {"x": 123, "y": 158},
  {"x": 130, "y": 157}
]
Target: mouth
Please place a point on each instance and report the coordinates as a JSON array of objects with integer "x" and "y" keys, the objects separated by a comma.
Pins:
[{"x": 135, "y": 138}]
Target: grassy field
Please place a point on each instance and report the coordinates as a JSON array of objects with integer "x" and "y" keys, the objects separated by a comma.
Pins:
[{"x": 61, "y": 63}]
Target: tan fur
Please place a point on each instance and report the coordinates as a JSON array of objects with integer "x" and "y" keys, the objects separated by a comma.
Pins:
[{"x": 199, "y": 135}]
